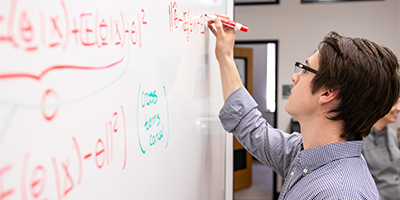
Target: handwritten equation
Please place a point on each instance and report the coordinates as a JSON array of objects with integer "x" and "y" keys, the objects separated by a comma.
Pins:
[
  {"x": 36, "y": 177},
  {"x": 46, "y": 31},
  {"x": 189, "y": 24},
  {"x": 32, "y": 31}
]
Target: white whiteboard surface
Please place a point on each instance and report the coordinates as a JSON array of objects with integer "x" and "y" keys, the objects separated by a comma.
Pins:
[{"x": 110, "y": 100}]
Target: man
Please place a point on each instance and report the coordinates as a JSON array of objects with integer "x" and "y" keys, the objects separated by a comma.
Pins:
[
  {"x": 344, "y": 88},
  {"x": 382, "y": 153}
]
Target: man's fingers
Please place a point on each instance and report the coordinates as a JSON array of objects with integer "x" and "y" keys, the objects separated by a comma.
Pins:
[
  {"x": 224, "y": 16},
  {"x": 218, "y": 25},
  {"x": 211, "y": 27}
]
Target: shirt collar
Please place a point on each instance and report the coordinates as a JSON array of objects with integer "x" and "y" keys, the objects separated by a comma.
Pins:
[
  {"x": 376, "y": 132},
  {"x": 315, "y": 157}
]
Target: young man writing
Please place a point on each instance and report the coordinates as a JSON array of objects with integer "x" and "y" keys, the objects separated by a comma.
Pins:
[{"x": 338, "y": 94}]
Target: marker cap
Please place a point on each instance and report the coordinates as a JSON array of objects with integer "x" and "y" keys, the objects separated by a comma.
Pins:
[{"x": 244, "y": 28}]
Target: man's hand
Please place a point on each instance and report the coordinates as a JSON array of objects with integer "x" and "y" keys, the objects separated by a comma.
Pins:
[{"x": 225, "y": 37}]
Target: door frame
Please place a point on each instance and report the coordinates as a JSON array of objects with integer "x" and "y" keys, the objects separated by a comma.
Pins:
[
  {"x": 242, "y": 172},
  {"x": 277, "y": 184},
  {"x": 276, "y": 42}
]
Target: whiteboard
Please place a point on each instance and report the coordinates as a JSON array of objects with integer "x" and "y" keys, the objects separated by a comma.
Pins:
[{"x": 110, "y": 100}]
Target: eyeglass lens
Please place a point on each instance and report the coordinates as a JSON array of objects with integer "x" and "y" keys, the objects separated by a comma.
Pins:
[{"x": 297, "y": 69}]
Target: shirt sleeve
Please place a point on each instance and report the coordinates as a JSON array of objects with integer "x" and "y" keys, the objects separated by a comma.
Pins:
[{"x": 272, "y": 147}]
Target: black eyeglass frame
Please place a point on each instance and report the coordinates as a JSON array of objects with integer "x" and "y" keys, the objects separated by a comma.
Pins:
[{"x": 305, "y": 67}]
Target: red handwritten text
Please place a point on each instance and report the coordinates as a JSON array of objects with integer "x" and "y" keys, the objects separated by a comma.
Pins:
[{"x": 34, "y": 31}]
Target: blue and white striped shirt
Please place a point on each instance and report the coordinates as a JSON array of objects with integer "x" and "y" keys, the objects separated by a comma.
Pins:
[{"x": 332, "y": 171}]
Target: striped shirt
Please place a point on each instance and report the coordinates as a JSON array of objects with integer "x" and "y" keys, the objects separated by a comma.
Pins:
[{"x": 332, "y": 171}]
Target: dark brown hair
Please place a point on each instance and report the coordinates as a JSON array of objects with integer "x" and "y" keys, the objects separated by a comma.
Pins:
[{"x": 366, "y": 76}]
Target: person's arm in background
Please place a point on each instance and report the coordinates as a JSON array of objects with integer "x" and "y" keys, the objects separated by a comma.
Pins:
[{"x": 225, "y": 35}]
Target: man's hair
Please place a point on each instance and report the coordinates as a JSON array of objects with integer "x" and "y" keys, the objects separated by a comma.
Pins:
[{"x": 366, "y": 76}]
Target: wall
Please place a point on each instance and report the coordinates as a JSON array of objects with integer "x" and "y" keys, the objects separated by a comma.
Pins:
[{"x": 300, "y": 27}]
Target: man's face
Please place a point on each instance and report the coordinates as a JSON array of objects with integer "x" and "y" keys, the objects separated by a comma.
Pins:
[
  {"x": 301, "y": 101},
  {"x": 391, "y": 117}
]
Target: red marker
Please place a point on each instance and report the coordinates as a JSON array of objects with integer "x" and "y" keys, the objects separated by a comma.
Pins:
[{"x": 237, "y": 26}]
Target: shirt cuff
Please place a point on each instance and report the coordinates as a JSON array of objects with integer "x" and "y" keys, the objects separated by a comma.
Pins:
[{"x": 236, "y": 106}]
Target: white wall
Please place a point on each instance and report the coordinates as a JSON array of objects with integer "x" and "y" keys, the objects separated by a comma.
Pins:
[{"x": 300, "y": 27}]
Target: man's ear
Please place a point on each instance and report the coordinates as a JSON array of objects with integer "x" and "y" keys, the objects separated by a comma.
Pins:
[{"x": 328, "y": 96}]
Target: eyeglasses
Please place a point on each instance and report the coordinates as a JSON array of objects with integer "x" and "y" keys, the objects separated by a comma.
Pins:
[{"x": 298, "y": 67}]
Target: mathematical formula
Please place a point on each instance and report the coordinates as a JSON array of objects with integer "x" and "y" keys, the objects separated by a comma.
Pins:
[
  {"x": 36, "y": 177},
  {"x": 67, "y": 30},
  {"x": 32, "y": 31},
  {"x": 188, "y": 23}
]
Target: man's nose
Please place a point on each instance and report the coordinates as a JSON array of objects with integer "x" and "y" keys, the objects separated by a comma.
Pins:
[
  {"x": 295, "y": 78},
  {"x": 397, "y": 107}
]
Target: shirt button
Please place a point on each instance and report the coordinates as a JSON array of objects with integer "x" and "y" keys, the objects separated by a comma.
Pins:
[
  {"x": 305, "y": 170},
  {"x": 291, "y": 174}
]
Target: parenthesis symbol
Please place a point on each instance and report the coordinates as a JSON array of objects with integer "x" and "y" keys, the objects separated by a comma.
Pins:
[
  {"x": 166, "y": 100},
  {"x": 67, "y": 31},
  {"x": 137, "y": 124},
  {"x": 123, "y": 27},
  {"x": 96, "y": 28},
  {"x": 78, "y": 151},
  {"x": 123, "y": 116}
]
